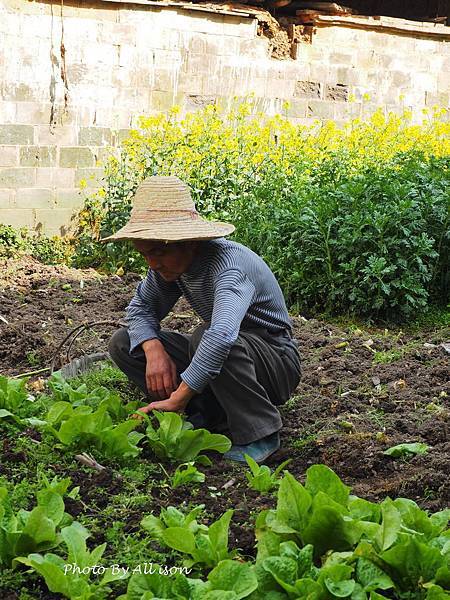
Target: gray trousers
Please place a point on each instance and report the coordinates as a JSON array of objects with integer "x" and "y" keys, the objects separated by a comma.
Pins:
[{"x": 261, "y": 372}]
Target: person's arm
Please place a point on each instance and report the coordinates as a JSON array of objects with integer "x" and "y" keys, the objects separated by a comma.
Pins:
[
  {"x": 233, "y": 294},
  {"x": 152, "y": 301}
]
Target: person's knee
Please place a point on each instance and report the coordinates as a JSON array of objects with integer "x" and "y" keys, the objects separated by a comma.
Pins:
[{"x": 119, "y": 344}]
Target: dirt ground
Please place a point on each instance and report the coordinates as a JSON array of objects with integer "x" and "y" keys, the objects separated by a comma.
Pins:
[{"x": 363, "y": 390}]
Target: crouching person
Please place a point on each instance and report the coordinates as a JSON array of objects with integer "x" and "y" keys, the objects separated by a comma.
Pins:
[{"x": 233, "y": 371}]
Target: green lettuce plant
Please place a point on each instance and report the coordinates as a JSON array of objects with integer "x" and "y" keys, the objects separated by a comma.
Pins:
[
  {"x": 185, "y": 474},
  {"x": 13, "y": 396},
  {"x": 25, "y": 531},
  {"x": 260, "y": 477},
  {"x": 230, "y": 580},
  {"x": 363, "y": 548},
  {"x": 407, "y": 450},
  {"x": 65, "y": 391},
  {"x": 205, "y": 545},
  {"x": 86, "y": 428},
  {"x": 71, "y": 576},
  {"x": 176, "y": 440}
]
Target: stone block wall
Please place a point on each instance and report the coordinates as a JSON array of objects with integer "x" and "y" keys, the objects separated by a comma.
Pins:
[{"x": 74, "y": 80}]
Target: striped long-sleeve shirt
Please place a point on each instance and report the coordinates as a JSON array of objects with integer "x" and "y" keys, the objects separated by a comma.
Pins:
[{"x": 229, "y": 287}]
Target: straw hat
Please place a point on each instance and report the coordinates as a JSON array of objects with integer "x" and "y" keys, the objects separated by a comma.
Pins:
[{"x": 163, "y": 211}]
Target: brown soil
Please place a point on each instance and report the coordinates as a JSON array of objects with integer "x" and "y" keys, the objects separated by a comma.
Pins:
[{"x": 350, "y": 406}]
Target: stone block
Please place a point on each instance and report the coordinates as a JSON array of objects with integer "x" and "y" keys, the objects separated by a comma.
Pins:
[
  {"x": 346, "y": 111},
  {"x": 348, "y": 76},
  {"x": 8, "y": 112},
  {"x": 337, "y": 93},
  {"x": 16, "y": 134},
  {"x": 163, "y": 101},
  {"x": 47, "y": 177},
  {"x": 17, "y": 177},
  {"x": 255, "y": 48},
  {"x": 214, "y": 46},
  {"x": 203, "y": 23},
  {"x": 441, "y": 99},
  {"x": 230, "y": 46},
  {"x": 34, "y": 198},
  {"x": 320, "y": 109},
  {"x": 319, "y": 72},
  {"x": 78, "y": 72},
  {"x": 428, "y": 82},
  {"x": 90, "y": 178},
  {"x": 113, "y": 119},
  {"x": 422, "y": 46},
  {"x": 369, "y": 58},
  {"x": 69, "y": 199},
  {"x": 163, "y": 79},
  {"x": 20, "y": 93},
  {"x": 413, "y": 98},
  {"x": 60, "y": 135},
  {"x": 17, "y": 218},
  {"x": 297, "y": 109},
  {"x": 260, "y": 86},
  {"x": 33, "y": 113},
  {"x": 341, "y": 58},
  {"x": 308, "y": 89},
  {"x": 200, "y": 64},
  {"x": 126, "y": 55},
  {"x": 368, "y": 109},
  {"x": 7, "y": 199},
  {"x": 297, "y": 71},
  {"x": 195, "y": 102},
  {"x": 443, "y": 82},
  {"x": 55, "y": 221},
  {"x": 123, "y": 134},
  {"x": 275, "y": 88},
  {"x": 38, "y": 156},
  {"x": 400, "y": 78},
  {"x": 76, "y": 157},
  {"x": 94, "y": 136},
  {"x": 389, "y": 96},
  {"x": 104, "y": 154},
  {"x": 166, "y": 39},
  {"x": 9, "y": 156}
]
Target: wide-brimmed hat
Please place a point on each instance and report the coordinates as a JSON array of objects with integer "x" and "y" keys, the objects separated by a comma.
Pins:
[{"x": 163, "y": 210}]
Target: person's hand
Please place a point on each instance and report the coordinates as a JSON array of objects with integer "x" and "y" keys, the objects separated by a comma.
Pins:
[
  {"x": 177, "y": 401},
  {"x": 160, "y": 372}
]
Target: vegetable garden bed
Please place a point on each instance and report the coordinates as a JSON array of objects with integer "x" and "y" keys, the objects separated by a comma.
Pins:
[{"x": 363, "y": 391}]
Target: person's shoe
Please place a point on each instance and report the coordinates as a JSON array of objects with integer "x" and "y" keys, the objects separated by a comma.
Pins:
[{"x": 259, "y": 450}]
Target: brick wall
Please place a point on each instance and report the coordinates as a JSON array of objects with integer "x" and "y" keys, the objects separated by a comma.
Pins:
[{"x": 63, "y": 109}]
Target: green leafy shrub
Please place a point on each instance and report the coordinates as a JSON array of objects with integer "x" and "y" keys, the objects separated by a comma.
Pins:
[
  {"x": 353, "y": 220},
  {"x": 19, "y": 242},
  {"x": 374, "y": 243}
]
